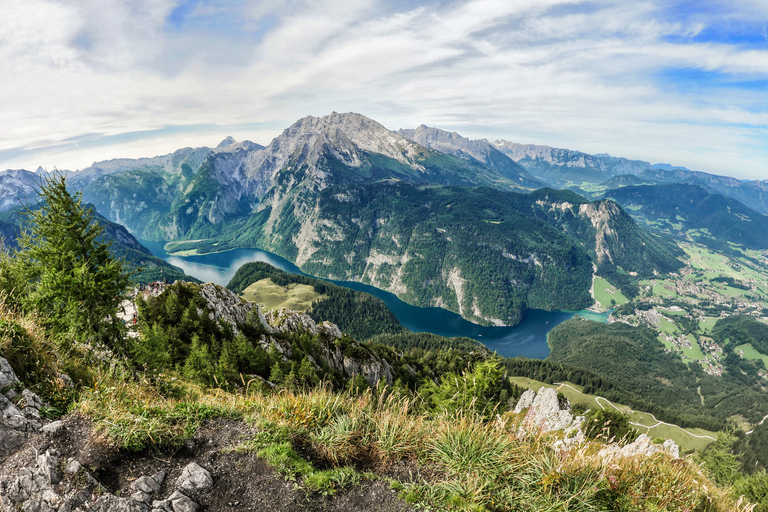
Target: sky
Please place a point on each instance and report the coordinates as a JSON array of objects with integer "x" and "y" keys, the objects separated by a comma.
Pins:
[{"x": 680, "y": 82}]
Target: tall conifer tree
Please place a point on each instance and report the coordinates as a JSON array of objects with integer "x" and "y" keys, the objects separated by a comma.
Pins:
[{"x": 75, "y": 282}]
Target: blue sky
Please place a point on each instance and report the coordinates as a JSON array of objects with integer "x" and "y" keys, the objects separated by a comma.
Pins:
[{"x": 664, "y": 81}]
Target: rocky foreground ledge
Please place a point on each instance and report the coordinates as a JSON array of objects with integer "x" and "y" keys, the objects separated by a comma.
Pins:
[{"x": 65, "y": 466}]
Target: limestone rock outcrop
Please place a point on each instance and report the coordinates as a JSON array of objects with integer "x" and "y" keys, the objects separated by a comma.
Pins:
[
  {"x": 343, "y": 354},
  {"x": 224, "y": 304},
  {"x": 17, "y": 420},
  {"x": 546, "y": 412},
  {"x": 642, "y": 446}
]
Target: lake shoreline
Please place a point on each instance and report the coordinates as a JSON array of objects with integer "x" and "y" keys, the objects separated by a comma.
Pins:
[{"x": 527, "y": 339}]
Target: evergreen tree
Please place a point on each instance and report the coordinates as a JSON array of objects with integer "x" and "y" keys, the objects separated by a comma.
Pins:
[
  {"x": 198, "y": 365},
  {"x": 276, "y": 375},
  {"x": 74, "y": 280}
]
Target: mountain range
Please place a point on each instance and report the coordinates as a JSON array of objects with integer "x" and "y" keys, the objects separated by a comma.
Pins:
[
  {"x": 682, "y": 207},
  {"x": 434, "y": 217}
]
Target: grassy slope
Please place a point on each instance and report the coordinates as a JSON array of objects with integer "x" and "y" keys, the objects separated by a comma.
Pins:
[
  {"x": 751, "y": 353},
  {"x": 272, "y": 296}
]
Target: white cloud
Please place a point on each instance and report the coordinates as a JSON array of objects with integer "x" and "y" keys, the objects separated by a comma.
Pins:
[{"x": 584, "y": 75}]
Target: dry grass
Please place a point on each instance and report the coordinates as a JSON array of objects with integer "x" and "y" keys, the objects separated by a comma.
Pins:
[
  {"x": 324, "y": 439},
  {"x": 36, "y": 359}
]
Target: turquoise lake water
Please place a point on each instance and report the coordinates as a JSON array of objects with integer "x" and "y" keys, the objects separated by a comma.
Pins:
[{"x": 528, "y": 339}]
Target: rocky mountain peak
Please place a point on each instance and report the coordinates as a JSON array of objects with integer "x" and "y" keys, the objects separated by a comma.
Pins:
[
  {"x": 363, "y": 132},
  {"x": 226, "y": 142},
  {"x": 481, "y": 150}
]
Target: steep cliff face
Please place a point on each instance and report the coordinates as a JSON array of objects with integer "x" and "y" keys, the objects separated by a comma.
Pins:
[{"x": 606, "y": 231}]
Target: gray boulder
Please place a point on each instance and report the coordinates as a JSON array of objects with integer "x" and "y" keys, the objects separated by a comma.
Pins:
[
  {"x": 7, "y": 375},
  {"x": 642, "y": 446},
  {"x": 194, "y": 478}
]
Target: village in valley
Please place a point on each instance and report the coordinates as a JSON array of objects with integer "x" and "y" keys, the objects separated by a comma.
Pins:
[{"x": 684, "y": 306}]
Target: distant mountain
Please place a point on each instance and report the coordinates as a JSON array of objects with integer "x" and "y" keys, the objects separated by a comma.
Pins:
[
  {"x": 16, "y": 186},
  {"x": 693, "y": 207},
  {"x": 623, "y": 180},
  {"x": 478, "y": 150},
  {"x": 669, "y": 167},
  {"x": 124, "y": 245},
  {"x": 753, "y": 194},
  {"x": 565, "y": 167},
  {"x": 192, "y": 193}
]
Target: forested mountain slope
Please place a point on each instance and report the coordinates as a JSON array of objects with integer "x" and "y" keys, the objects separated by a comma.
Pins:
[
  {"x": 124, "y": 245},
  {"x": 483, "y": 253},
  {"x": 693, "y": 207}
]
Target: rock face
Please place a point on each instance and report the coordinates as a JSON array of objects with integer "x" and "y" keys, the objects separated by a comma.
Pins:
[
  {"x": 43, "y": 487},
  {"x": 642, "y": 446},
  {"x": 343, "y": 354},
  {"x": 225, "y": 305},
  {"x": 545, "y": 412},
  {"x": 17, "y": 421},
  {"x": 335, "y": 355},
  {"x": 7, "y": 376}
]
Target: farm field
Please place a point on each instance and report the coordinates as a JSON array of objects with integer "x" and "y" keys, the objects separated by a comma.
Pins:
[
  {"x": 751, "y": 353},
  {"x": 695, "y": 351},
  {"x": 707, "y": 324},
  {"x": 605, "y": 292}
]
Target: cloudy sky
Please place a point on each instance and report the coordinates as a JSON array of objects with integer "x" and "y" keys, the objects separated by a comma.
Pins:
[{"x": 681, "y": 82}]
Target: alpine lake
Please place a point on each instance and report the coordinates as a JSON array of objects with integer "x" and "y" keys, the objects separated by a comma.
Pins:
[{"x": 527, "y": 339}]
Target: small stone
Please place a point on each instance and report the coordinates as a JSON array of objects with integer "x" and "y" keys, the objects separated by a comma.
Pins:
[
  {"x": 73, "y": 466},
  {"x": 162, "y": 506},
  {"x": 73, "y": 502},
  {"x": 142, "y": 497},
  {"x": 37, "y": 504},
  {"x": 34, "y": 404},
  {"x": 7, "y": 408},
  {"x": 53, "y": 427},
  {"x": 194, "y": 478},
  {"x": 146, "y": 484},
  {"x": 47, "y": 463},
  {"x": 111, "y": 503},
  {"x": 182, "y": 503}
]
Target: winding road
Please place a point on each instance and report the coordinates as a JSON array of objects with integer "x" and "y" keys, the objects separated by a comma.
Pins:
[{"x": 658, "y": 421}]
